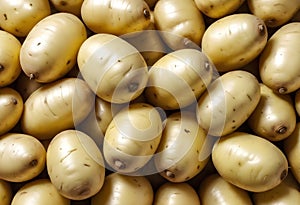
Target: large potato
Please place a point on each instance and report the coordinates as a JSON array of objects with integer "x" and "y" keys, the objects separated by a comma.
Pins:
[
  {"x": 6, "y": 193},
  {"x": 23, "y": 157},
  {"x": 50, "y": 49},
  {"x": 75, "y": 165},
  {"x": 55, "y": 107}
]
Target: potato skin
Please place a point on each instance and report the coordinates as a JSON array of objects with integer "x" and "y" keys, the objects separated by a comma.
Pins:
[{"x": 249, "y": 162}]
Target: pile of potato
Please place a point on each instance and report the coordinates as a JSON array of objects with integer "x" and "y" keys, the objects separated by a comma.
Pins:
[{"x": 149, "y": 102}]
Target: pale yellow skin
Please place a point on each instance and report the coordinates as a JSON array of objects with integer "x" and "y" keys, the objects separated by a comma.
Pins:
[
  {"x": 234, "y": 40},
  {"x": 176, "y": 194},
  {"x": 70, "y": 6},
  {"x": 11, "y": 106},
  {"x": 55, "y": 107},
  {"x": 274, "y": 13},
  {"x": 249, "y": 162},
  {"x": 218, "y": 8},
  {"x": 25, "y": 86},
  {"x": 186, "y": 73},
  {"x": 10, "y": 67},
  {"x": 132, "y": 137},
  {"x": 181, "y": 23},
  {"x": 178, "y": 155},
  {"x": 292, "y": 151},
  {"x": 6, "y": 193},
  {"x": 120, "y": 75},
  {"x": 19, "y": 17},
  {"x": 121, "y": 189},
  {"x": 228, "y": 102},
  {"x": 50, "y": 50},
  {"x": 116, "y": 17},
  {"x": 274, "y": 118},
  {"x": 39, "y": 191},
  {"x": 297, "y": 101},
  {"x": 279, "y": 62},
  {"x": 75, "y": 165},
  {"x": 214, "y": 190},
  {"x": 23, "y": 155}
]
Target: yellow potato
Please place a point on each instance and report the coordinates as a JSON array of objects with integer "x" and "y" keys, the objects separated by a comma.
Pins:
[
  {"x": 23, "y": 156},
  {"x": 75, "y": 165},
  {"x": 55, "y": 107},
  {"x": 71, "y": 6},
  {"x": 19, "y": 17},
  {"x": 6, "y": 192},
  {"x": 50, "y": 49},
  {"x": 11, "y": 108}
]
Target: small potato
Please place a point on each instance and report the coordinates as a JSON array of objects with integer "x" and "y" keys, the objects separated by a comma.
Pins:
[
  {"x": 6, "y": 193},
  {"x": 19, "y": 17},
  {"x": 50, "y": 49},
  {"x": 234, "y": 41},
  {"x": 75, "y": 165},
  {"x": 249, "y": 162},
  {"x": 10, "y": 67},
  {"x": 23, "y": 156},
  {"x": 297, "y": 101},
  {"x": 11, "y": 108},
  {"x": 121, "y": 189},
  {"x": 279, "y": 62},
  {"x": 55, "y": 107},
  {"x": 37, "y": 192},
  {"x": 71, "y": 6}
]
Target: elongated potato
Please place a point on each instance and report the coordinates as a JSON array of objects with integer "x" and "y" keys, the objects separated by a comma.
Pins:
[
  {"x": 181, "y": 23},
  {"x": 11, "y": 108},
  {"x": 297, "y": 101},
  {"x": 6, "y": 193},
  {"x": 113, "y": 68},
  {"x": 49, "y": 50},
  {"x": 218, "y": 8},
  {"x": 234, "y": 40},
  {"x": 19, "y": 17},
  {"x": 121, "y": 189},
  {"x": 274, "y": 118},
  {"x": 73, "y": 7},
  {"x": 75, "y": 165},
  {"x": 55, "y": 107},
  {"x": 10, "y": 67},
  {"x": 249, "y": 162},
  {"x": 214, "y": 190},
  {"x": 228, "y": 102},
  {"x": 39, "y": 191},
  {"x": 274, "y": 13},
  {"x": 116, "y": 17},
  {"x": 23, "y": 156},
  {"x": 279, "y": 62}
]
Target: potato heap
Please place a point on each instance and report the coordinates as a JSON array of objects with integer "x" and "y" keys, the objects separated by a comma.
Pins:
[{"x": 149, "y": 102}]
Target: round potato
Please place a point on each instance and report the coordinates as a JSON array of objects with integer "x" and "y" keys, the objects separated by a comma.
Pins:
[
  {"x": 249, "y": 162},
  {"x": 23, "y": 155},
  {"x": 50, "y": 50},
  {"x": 6, "y": 193},
  {"x": 73, "y": 6},
  {"x": 11, "y": 108},
  {"x": 75, "y": 165}
]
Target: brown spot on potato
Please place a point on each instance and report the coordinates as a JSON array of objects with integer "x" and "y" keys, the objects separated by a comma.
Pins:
[
  {"x": 1, "y": 67},
  {"x": 33, "y": 163},
  {"x": 261, "y": 29},
  {"x": 5, "y": 17},
  {"x": 146, "y": 13},
  {"x": 63, "y": 3}
]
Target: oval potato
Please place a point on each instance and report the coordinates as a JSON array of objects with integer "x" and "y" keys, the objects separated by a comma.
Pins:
[{"x": 6, "y": 192}]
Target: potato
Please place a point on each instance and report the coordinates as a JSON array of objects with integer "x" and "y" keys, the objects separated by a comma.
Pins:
[
  {"x": 10, "y": 67},
  {"x": 73, "y": 6},
  {"x": 297, "y": 101},
  {"x": 119, "y": 189},
  {"x": 75, "y": 165},
  {"x": 19, "y": 17},
  {"x": 11, "y": 108},
  {"x": 113, "y": 68},
  {"x": 6, "y": 193},
  {"x": 279, "y": 62},
  {"x": 23, "y": 155},
  {"x": 186, "y": 74},
  {"x": 55, "y": 107},
  {"x": 249, "y": 162},
  {"x": 116, "y": 17},
  {"x": 176, "y": 194},
  {"x": 274, "y": 118},
  {"x": 218, "y": 8},
  {"x": 214, "y": 190},
  {"x": 237, "y": 40},
  {"x": 228, "y": 102},
  {"x": 274, "y": 13},
  {"x": 50, "y": 50},
  {"x": 180, "y": 22},
  {"x": 39, "y": 191},
  {"x": 177, "y": 157},
  {"x": 132, "y": 137}
]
